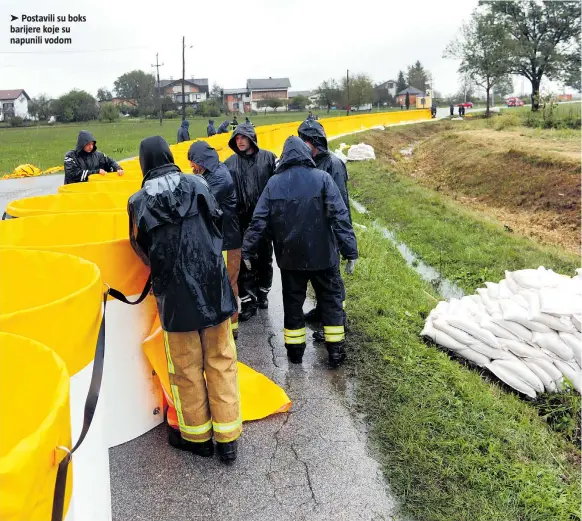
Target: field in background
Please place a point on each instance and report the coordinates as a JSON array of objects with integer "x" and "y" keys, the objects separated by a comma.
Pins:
[{"x": 45, "y": 146}]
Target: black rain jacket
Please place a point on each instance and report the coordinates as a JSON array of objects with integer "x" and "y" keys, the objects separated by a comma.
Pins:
[
  {"x": 312, "y": 131},
  {"x": 223, "y": 128},
  {"x": 79, "y": 165},
  {"x": 301, "y": 209},
  {"x": 183, "y": 134},
  {"x": 210, "y": 130},
  {"x": 222, "y": 188},
  {"x": 250, "y": 173},
  {"x": 175, "y": 228}
]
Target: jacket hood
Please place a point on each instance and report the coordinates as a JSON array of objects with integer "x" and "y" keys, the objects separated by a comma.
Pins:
[
  {"x": 154, "y": 152},
  {"x": 204, "y": 155},
  {"x": 85, "y": 137},
  {"x": 185, "y": 124},
  {"x": 295, "y": 152},
  {"x": 247, "y": 130},
  {"x": 312, "y": 131}
]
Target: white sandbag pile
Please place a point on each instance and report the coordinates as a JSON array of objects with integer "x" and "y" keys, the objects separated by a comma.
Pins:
[
  {"x": 526, "y": 330},
  {"x": 361, "y": 152},
  {"x": 340, "y": 152}
]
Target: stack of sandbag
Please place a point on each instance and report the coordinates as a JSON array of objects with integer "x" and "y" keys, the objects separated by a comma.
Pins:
[
  {"x": 526, "y": 329},
  {"x": 361, "y": 152},
  {"x": 340, "y": 152}
]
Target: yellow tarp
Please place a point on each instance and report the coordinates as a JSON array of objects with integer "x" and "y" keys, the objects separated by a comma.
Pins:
[
  {"x": 34, "y": 407},
  {"x": 124, "y": 186}
]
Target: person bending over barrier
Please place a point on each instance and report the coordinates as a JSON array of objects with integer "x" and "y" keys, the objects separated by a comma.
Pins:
[
  {"x": 85, "y": 160},
  {"x": 204, "y": 161},
  {"x": 313, "y": 134},
  {"x": 175, "y": 228},
  {"x": 251, "y": 168},
  {"x": 223, "y": 128},
  {"x": 303, "y": 210}
]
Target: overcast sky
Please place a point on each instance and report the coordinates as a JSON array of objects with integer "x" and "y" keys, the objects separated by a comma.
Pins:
[{"x": 305, "y": 40}]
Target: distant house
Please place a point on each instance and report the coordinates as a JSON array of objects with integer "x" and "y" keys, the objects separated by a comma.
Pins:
[
  {"x": 269, "y": 88},
  {"x": 413, "y": 93},
  {"x": 195, "y": 90},
  {"x": 120, "y": 102},
  {"x": 312, "y": 95},
  {"x": 246, "y": 99},
  {"x": 389, "y": 86},
  {"x": 13, "y": 103}
]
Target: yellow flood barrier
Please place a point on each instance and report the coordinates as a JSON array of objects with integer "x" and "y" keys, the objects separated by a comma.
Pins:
[
  {"x": 35, "y": 383},
  {"x": 68, "y": 203},
  {"x": 124, "y": 186}
]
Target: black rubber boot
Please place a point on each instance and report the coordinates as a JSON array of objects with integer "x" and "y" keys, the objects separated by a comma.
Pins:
[
  {"x": 336, "y": 353},
  {"x": 295, "y": 352},
  {"x": 227, "y": 452},
  {"x": 318, "y": 335},
  {"x": 262, "y": 300},
  {"x": 313, "y": 316},
  {"x": 247, "y": 312},
  {"x": 204, "y": 449}
]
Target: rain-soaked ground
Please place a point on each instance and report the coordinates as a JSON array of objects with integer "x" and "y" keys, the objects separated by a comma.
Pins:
[{"x": 312, "y": 463}]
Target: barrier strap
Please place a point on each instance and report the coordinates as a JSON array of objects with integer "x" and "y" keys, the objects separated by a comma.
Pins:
[{"x": 91, "y": 400}]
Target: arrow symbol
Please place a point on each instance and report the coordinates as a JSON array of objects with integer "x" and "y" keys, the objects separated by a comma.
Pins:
[{"x": 13, "y": 17}]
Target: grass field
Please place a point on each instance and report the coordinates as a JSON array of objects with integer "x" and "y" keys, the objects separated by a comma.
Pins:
[{"x": 45, "y": 146}]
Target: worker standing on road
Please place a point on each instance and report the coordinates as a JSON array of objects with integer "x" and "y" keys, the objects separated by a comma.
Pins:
[
  {"x": 183, "y": 134},
  {"x": 251, "y": 169},
  {"x": 174, "y": 226},
  {"x": 204, "y": 161},
  {"x": 85, "y": 160},
  {"x": 302, "y": 208},
  {"x": 313, "y": 134},
  {"x": 210, "y": 130}
]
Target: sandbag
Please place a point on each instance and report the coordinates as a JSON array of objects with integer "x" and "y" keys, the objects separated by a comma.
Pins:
[
  {"x": 577, "y": 321},
  {"x": 521, "y": 371},
  {"x": 518, "y": 330},
  {"x": 552, "y": 342},
  {"x": 510, "y": 378},
  {"x": 549, "y": 383},
  {"x": 574, "y": 344},
  {"x": 573, "y": 375},
  {"x": 523, "y": 349},
  {"x": 34, "y": 407},
  {"x": 514, "y": 313},
  {"x": 474, "y": 330},
  {"x": 498, "y": 331},
  {"x": 361, "y": 152},
  {"x": 560, "y": 301}
]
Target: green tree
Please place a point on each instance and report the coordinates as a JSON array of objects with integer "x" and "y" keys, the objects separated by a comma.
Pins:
[
  {"x": 407, "y": 101},
  {"x": 482, "y": 51},
  {"x": 108, "y": 112},
  {"x": 137, "y": 85},
  {"x": 209, "y": 108},
  {"x": 76, "y": 105},
  {"x": 104, "y": 95},
  {"x": 273, "y": 103},
  {"x": 573, "y": 72},
  {"x": 382, "y": 96},
  {"x": 216, "y": 92},
  {"x": 400, "y": 82},
  {"x": 329, "y": 93},
  {"x": 418, "y": 77},
  {"x": 542, "y": 38},
  {"x": 39, "y": 107},
  {"x": 361, "y": 90},
  {"x": 299, "y": 102}
]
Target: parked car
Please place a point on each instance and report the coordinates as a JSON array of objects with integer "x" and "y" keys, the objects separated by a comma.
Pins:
[
  {"x": 467, "y": 105},
  {"x": 514, "y": 102}
]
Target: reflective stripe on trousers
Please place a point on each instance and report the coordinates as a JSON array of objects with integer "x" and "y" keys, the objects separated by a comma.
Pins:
[
  {"x": 294, "y": 336},
  {"x": 334, "y": 333}
]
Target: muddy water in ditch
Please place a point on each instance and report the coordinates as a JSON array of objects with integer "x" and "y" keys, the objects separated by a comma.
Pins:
[{"x": 446, "y": 288}]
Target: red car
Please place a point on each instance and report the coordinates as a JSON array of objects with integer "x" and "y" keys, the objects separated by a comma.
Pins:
[
  {"x": 467, "y": 105},
  {"x": 514, "y": 102}
]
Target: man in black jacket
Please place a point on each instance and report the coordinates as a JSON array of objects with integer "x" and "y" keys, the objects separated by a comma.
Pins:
[
  {"x": 175, "y": 228},
  {"x": 86, "y": 160},
  {"x": 183, "y": 134},
  {"x": 210, "y": 130},
  {"x": 204, "y": 161},
  {"x": 313, "y": 134},
  {"x": 302, "y": 209},
  {"x": 223, "y": 128},
  {"x": 251, "y": 169}
]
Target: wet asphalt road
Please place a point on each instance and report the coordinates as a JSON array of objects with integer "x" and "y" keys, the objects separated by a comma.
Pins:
[{"x": 312, "y": 463}]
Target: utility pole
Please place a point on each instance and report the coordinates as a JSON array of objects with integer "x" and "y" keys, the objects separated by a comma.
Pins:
[
  {"x": 348, "y": 88},
  {"x": 157, "y": 66},
  {"x": 183, "y": 76}
]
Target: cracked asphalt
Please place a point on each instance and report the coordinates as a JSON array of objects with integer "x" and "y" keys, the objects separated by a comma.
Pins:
[{"x": 312, "y": 463}]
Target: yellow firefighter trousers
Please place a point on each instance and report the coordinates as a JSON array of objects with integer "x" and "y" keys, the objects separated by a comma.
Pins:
[{"x": 211, "y": 406}]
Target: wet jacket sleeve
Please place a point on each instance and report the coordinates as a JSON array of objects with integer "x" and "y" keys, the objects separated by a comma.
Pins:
[
  {"x": 138, "y": 239},
  {"x": 109, "y": 165},
  {"x": 258, "y": 227},
  {"x": 74, "y": 173},
  {"x": 339, "y": 174},
  {"x": 340, "y": 220}
]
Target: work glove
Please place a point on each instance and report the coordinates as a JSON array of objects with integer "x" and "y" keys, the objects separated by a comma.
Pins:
[
  {"x": 350, "y": 265},
  {"x": 247, "y": 264}
]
